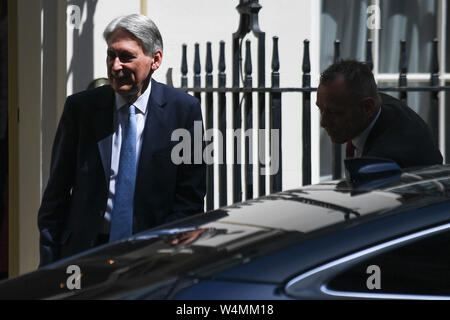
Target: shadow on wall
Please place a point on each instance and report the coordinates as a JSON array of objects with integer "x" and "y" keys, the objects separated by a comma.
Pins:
[{"x": 82, "y": 63}]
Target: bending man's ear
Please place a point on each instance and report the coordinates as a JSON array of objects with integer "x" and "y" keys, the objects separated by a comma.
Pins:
[{"x": 370, "y": 106}]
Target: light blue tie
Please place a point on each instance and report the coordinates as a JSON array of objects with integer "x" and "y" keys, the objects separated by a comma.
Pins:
[{"x": 122, "y": 216}]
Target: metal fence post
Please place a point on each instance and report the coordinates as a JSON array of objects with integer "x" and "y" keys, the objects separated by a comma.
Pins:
[
  {"x": 262, "y": 113},
  {"x": 209, "y": 124},
  {"x": 275, "y": 119},
  {"x": 306, "y": 127},
  {"x": 336, "y": 149},
  {"x": 248, "y": 124},
  {"x": 237, "y": 117},
  {"x": 222, "y": 128}
]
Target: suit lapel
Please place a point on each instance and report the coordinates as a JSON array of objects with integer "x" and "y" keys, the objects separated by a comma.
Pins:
[
  {"x": 155, "y": 125},
  {"x": 376, "y": 131},
  {"x": 104, "y": 147},
  {"x": 103, "y": 126}
]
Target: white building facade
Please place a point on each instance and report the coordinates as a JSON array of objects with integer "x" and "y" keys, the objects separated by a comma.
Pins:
[{"x": 58, "y": 50}]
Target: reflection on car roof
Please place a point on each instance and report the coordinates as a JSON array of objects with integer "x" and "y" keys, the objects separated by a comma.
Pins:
[{"x": 314, "y": 207}]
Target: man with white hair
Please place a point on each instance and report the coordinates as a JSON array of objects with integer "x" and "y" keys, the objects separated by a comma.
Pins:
[{"x": 111, "y": 171}]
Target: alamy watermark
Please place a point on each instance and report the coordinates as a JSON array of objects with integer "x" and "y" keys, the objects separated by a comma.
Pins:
[
  {"x": 74, "y": 280},
  {"x": 374, "y": 20},
  {"x": 190, "y": 148},
  {"x": 73, "y": 17},
  {"x": 374, "y": 280}
]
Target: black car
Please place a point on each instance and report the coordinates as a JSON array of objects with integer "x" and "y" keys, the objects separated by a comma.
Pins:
[{"x": 381, "y": 233}]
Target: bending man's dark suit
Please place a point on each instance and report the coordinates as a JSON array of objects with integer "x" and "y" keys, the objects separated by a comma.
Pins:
[
  {"x": 401, "y": 135},
  {"x": 74, "y": 202}
]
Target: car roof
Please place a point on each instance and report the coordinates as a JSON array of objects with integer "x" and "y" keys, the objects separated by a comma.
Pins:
[{"x": 310, "y": 208}]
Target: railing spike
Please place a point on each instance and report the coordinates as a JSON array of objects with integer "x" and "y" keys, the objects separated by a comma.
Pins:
[
  {"x": 197, "y": 68},
  {"x": 369, "y": 59},
  {"x": 222, "y": 56},
  {"x": 435, "y": 62},
  {"x": 275, "y": 55},
  {"x": 306, "y": 65},
  {"x": 184, "y": 67},
  {"x": 209, "y": 64},
  {"x": 337, "y": 51}
]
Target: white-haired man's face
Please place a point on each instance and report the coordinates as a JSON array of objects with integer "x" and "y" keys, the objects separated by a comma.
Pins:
[{"x": 129, "y": 68}]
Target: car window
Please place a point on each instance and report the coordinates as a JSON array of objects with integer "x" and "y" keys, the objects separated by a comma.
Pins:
[{"x": 420, "y": 267}]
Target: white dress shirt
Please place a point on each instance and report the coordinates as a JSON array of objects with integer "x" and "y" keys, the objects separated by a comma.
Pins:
[
  {"x": 360, "y": 140},
  {"x": 120, "y": 120}
]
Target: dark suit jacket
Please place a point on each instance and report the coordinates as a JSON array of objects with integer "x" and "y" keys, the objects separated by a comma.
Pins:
[
  {"x": 74, "y": 202},
  {"x": 401, "y": 135}
]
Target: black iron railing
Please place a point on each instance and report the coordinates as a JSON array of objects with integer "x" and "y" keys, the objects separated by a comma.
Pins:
[{"x": 242, "y": 94}]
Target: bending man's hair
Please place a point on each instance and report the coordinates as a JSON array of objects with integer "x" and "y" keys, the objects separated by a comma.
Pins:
[{"x": 358, "y": 77}]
